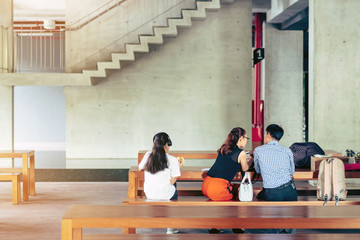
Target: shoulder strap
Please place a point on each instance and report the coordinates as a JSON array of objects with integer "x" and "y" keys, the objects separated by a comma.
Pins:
[
  {"x": 335, "y": 183},
  {"x": 326, "y": 181}
]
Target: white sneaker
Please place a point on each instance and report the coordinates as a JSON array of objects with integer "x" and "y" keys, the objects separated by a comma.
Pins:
[{"x": 172, "y": 231}]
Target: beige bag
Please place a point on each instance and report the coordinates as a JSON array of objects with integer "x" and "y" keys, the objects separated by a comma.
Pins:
[{"x": 331, "y": 181}]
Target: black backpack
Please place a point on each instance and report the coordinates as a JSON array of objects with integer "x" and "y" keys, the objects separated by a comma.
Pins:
[{"x": 303, "y": 152}]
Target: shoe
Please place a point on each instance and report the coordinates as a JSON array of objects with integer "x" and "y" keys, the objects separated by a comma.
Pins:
[
  {"x": 214, "y": 231},
  {"x": 172, "y": 231},
  {"x": 238, "y": 230}
]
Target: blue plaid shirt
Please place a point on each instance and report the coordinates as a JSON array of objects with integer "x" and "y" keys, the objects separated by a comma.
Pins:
[{"x": 275, "y": 163}]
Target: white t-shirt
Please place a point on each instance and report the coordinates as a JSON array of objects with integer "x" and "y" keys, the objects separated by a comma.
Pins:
[{"x": 158, "y": 186}]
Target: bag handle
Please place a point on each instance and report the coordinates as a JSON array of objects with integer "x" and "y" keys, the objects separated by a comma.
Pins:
[{"x": 246, "y": 176}]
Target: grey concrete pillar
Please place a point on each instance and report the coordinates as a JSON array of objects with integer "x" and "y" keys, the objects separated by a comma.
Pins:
[
  {"x": 6, "y": 93},
  {"x": 6, "y": 36},
  {"x": 334, "y": 74},
  {"x": 283, "y": 84}
]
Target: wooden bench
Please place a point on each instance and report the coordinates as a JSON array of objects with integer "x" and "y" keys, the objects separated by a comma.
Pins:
[
  {"x": 203, "y": 217},
  {"x": 195, "y": 173},
  {"x": 16, "y": 188},
  {"x": 303, "y": 201},
  {"x": 307, "y": 236}
]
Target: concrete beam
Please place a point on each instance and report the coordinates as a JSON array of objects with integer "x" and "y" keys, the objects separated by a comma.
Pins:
[
  {"x": 43, "y": 79},
  {"x": 283, "y": 10}
]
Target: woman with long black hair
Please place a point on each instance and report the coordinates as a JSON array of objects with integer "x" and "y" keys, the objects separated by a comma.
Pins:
[
  {"x": 161, "y": 170},
  {"x": 231, "y": 159}
]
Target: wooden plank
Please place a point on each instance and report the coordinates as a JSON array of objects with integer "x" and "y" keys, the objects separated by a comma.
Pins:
[
  {"x": 307, "y": 236},
  {"x": 208, "y": 202},
  {"x": 195, "y": 173},
  {"x": 301, "y": 217},
  {"x": 315, "y": 161},
  {"x": 15, "y": 153},
  {"x": 185, "y": 154}
]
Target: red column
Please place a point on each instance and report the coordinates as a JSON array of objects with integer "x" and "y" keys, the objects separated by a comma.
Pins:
[{"x": 257, "y": 106}]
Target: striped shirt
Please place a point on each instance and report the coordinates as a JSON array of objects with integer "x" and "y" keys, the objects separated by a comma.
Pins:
[{"x": 275, "y": 163}]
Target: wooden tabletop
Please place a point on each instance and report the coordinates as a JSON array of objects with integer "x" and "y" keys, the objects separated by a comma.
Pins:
[
  {"x": 307, "y": 236},
  {"x": 302, "y": 217},
  {"x": 15, "y": 153}
]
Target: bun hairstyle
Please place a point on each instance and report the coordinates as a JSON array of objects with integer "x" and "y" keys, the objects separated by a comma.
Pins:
[
  {"x": 231, "y": 141},
  {"x": 157, "y": 159},
  {"x": 162, "y": 138}
]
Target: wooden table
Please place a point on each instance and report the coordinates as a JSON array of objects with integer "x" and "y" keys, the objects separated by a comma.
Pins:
[
  {"x": 27, "y": 170},
  {"x": 115, "y": 216}
]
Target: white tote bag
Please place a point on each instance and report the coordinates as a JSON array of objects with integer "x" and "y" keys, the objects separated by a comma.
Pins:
[{"x": 246, "y": 190}]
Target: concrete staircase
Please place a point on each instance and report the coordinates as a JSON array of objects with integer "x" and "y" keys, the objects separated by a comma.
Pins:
[{"x": 92, "y": 77}]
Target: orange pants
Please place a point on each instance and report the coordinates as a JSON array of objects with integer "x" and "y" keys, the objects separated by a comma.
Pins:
[{"x": 217, "y": 189}]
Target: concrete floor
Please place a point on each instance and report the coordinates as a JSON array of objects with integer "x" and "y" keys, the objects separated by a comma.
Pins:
[{"x": 40, "y": 217}]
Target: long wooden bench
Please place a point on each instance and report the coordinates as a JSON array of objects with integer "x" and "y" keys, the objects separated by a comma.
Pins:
[
  {"x": 203, "y": 217},
  {"x": 307, "y": 236},
  {"x": 206, "y": 202},
  {"x": 16, "y": 188},
  {"x": 136, "y": 177}
]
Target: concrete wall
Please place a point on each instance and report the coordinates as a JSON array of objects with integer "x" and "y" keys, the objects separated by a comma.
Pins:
[
  {"x": 284, "y": 82},
  {"x": 108, "y": 33},
  {"x": 196, "y": 87},
  {"x": 334, "y": 74}
]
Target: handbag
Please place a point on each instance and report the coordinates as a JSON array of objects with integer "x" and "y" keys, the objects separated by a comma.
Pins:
[{"x": 246, "y": 189}]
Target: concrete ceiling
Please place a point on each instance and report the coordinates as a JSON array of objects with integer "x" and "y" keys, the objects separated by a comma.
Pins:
[{"x": 39, "y": 10}]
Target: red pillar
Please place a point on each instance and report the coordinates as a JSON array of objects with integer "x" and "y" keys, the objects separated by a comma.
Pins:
[{"x": 257, "y": 106}]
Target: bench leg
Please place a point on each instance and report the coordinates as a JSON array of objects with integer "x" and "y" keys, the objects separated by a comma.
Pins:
[
  {"x": 19, "y": 188},
  {"x": 15, "y": 190}
]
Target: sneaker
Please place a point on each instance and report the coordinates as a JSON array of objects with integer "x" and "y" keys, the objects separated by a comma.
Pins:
[{"x": 172, "y": 231}]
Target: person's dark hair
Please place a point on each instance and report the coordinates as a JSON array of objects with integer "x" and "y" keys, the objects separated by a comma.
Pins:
[
  {"x": 157, "y": 159},
  {"x": 231, "y": 141},
  {"x": 275, "y": 131}
]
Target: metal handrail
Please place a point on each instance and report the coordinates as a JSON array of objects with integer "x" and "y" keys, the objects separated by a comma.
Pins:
[{"x": 118, "y": 2}]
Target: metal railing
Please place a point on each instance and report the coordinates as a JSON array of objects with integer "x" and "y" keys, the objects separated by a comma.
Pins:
[{"x": 38, "y": 49}]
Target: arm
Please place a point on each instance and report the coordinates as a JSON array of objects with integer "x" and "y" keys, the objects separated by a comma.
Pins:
[
  {"x": 256, "y": 162},
  {"x": 173, "y": 180},
  {"x": 292, "y": 164},
  {"x": 243, "y": 162},
  {"x": 144, "y": 161},
  {"x": 174, "y": 169}
]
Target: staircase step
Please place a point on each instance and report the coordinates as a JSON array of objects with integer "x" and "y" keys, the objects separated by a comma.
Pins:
[
  {"x": 152, "y": 39},
  {"x": 129, "y": 56}
]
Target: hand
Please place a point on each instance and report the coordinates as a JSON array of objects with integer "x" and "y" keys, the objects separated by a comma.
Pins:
[{"x": 181, "y": 161}]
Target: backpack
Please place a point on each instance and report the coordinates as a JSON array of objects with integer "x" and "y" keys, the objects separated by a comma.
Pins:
[
  {"x": 331, "y": 181},
  {"x": 302, "y": 153}
]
